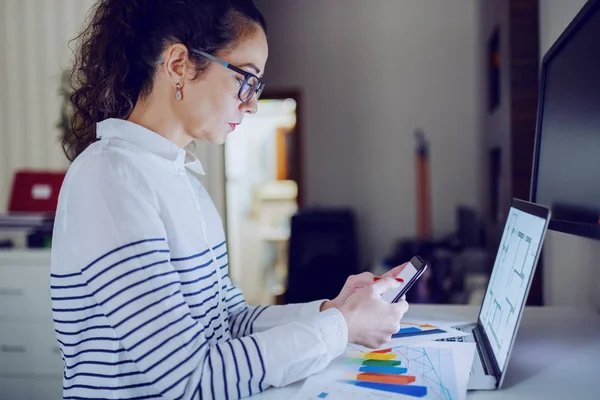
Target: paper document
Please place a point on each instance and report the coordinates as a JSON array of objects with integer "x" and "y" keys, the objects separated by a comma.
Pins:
[
  {"x": 464, "y": 354},
  {"x": 436, "y": 371},
  {"x": 414, "y": 332}
]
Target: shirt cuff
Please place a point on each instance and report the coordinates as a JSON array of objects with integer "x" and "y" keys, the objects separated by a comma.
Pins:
[
  {"x": 311, "y": 308},
  {"x": 334, "y": 330}
]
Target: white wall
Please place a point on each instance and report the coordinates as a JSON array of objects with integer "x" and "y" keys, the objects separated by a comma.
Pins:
[
  {"x": 571, "y": 264},
  {"x": 371, "y": 72},
  {"x": 33, "y": 52}
]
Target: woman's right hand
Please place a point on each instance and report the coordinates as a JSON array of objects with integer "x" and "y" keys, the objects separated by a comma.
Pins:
[{"x": 372, "y": 321}]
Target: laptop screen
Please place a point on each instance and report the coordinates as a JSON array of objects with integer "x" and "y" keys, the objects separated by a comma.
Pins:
[{"x": 509, "y": 283}]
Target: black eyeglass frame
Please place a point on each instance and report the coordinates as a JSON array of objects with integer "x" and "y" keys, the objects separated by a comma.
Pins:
[{"x": 247, "y": 75}]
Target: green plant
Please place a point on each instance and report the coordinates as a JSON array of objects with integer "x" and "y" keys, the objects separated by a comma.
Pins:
[{"x": 66, "y": 108}]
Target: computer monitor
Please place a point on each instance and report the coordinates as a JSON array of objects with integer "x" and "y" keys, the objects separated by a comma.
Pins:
[
  {"x": 511, "y": 278},
  {"x": 566, "y": 176}
]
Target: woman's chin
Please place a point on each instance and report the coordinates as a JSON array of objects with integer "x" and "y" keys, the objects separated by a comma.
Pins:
[{"x": 217, "y": 138}]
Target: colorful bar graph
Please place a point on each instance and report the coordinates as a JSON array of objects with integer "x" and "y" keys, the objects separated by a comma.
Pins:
[
  {"x": 383, "y": 370},
  {"x": 408, "y": 332},
  {"x": 379, "y": 370},
  {"x": 409, "y": 390},
  {"x": 385, "y": 378}
]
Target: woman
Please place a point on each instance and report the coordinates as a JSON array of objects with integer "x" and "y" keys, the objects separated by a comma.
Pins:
[{"x": 142, "y": 301}]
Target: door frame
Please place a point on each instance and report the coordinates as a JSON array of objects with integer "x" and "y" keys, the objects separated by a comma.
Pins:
[
  {"x": 213, "y": 157},
  {"x": 297, "y": 135}
]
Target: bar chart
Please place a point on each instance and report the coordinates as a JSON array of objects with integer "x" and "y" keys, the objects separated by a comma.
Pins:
[
  {"x": 383, "y": 370},
  {"x": 397, "y": 373},
  {"x": 411, "y": 329}
]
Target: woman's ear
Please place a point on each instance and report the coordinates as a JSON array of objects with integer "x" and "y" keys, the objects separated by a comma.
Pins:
[{"x": 176, "y": 63}]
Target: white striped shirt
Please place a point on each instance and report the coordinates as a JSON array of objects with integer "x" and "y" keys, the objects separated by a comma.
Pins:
[{"x": 142, "y": 301}]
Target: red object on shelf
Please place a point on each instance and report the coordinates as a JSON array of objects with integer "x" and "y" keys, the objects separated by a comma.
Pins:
[{"x": 35, "y": 191}]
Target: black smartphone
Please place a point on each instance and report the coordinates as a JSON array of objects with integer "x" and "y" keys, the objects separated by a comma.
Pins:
[{"x": 410, "y": 274}]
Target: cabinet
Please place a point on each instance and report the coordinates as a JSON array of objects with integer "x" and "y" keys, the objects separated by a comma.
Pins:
[{"x": 30, "y": 362}]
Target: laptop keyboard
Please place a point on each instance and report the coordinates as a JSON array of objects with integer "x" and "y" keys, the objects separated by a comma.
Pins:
[
  {"x": 464, "y": 339},
  {"x": 467, "y": 339}
]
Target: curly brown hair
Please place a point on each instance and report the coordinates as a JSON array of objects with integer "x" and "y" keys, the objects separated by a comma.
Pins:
[{"x": 116, "y": 53}]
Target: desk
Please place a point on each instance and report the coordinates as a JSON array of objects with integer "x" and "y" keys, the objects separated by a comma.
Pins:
[{"x": 556, "y": 355}]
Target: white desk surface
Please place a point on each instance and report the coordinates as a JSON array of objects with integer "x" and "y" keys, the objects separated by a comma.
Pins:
[{"x": 556, "y": 355}]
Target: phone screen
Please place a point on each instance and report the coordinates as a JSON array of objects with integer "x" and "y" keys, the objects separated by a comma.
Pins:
[{"x": 408, "y": 273}]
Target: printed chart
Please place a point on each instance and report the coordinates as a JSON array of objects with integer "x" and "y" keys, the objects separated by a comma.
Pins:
[
  {"x": 416, "y": 332},
  {"x": 397, "y": 373},
  {"x": 412, "y": 329}
]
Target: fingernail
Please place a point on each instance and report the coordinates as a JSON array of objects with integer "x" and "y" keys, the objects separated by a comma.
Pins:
[{"x": 376, "y": 278}]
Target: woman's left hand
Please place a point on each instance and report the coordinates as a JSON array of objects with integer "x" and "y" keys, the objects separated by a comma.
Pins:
[{"x": 355, "y": 282}]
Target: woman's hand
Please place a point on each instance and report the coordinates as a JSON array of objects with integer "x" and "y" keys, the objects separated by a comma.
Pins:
[
  {"x": 355, "y": 282},
  {"x": 371, "y": 321},
  {"x": 394, "y": 272}
]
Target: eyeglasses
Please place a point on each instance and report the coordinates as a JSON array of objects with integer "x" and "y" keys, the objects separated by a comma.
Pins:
[{"x": 250, "y": 86}]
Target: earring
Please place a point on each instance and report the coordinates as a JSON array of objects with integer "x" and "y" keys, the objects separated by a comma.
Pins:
[{"x": 178, "y": 91}]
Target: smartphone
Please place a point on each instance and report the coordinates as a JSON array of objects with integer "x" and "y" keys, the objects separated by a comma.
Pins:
[{"x": 411, "y": 273}]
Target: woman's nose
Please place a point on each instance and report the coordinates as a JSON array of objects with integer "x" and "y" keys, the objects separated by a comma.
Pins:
[{"x": 250, "y": 107}]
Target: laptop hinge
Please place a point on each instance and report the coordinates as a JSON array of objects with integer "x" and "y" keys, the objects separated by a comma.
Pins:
[{"x": 483, "y": 351}]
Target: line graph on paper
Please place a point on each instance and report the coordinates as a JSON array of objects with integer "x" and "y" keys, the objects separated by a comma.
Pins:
[{"x": 397, "y": 373}]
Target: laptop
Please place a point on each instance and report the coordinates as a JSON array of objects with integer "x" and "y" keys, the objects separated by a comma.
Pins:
[{"x": 506, "y": 294}]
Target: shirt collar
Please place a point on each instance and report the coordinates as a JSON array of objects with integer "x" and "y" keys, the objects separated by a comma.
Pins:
[{"x": 150, "y": 141}]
